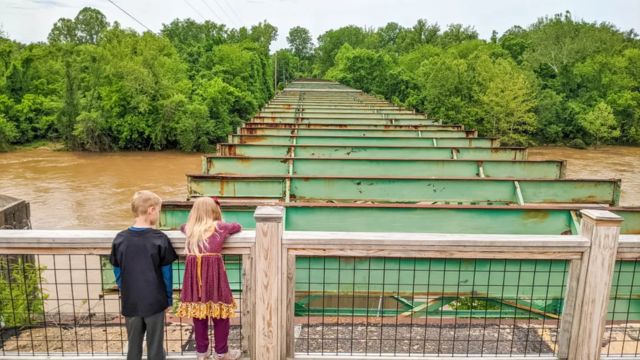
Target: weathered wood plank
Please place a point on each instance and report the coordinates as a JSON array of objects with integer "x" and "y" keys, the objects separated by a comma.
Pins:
[
  {"x": 435, "y": 253},
  {"x": 603, "y": 229},
  {"x": 569, "y": 308},
  {"x": 248, "y": 304},
  {"x": 267, "y": 283},
  {"x": 297, "y": 238},
  {"x": 97, "y": 240}
]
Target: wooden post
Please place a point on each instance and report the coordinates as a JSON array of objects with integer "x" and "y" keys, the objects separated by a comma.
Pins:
[
  {"x": 248, "y": 305},
  {"x": 602, "y": 228},
  {"x": 268, "y": 283}
]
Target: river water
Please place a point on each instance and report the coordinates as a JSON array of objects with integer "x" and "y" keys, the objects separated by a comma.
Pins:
[{"x": 70, "y": 190}]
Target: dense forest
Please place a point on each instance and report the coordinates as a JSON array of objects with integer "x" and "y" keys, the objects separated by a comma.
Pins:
[{"x": 96, "y": 86}]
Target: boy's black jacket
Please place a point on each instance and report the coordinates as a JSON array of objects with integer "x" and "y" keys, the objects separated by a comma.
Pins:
[{"x": 140, "y": 256}]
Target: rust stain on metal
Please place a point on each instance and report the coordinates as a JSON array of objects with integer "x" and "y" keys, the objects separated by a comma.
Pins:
[
  {"x": 252, "y": 139},
  {"x": 535, "y": 215}
]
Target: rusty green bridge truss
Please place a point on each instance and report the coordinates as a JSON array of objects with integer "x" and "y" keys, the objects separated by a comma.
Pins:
[{"x": 338, "y": 159}]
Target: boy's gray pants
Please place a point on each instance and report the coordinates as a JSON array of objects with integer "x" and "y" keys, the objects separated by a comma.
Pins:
[{"x": 154, "y": 327}]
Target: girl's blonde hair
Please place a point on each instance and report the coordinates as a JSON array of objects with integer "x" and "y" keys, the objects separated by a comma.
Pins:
[{"x": 202, "y": 222}]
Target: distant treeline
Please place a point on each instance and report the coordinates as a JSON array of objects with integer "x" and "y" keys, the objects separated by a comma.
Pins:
[{"x": 96, "y": 86}]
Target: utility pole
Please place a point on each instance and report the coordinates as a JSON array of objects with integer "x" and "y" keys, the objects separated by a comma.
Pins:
[
  {"x": 284, "y": 76},
  {"x": 275, "y": 73}
]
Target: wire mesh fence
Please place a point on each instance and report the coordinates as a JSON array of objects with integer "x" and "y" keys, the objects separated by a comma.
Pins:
[
  {"x": 69, "y": 305},
  {"x": 410, "y": 306},
  {"x": 622, "y": 333}
]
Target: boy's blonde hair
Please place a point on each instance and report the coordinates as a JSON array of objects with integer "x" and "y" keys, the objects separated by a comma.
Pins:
[
  {"x": 202, "y": 222},
  {"x": 143, "y": 200}
]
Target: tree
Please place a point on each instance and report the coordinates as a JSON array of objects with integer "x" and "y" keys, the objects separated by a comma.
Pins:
[
  {"x": 448, "y": 90},
  {"x": 515, "y": 41},
  {"x": 300, "y": 42},
  {"x": 331, "y": 41},
  {"x": 600, "y": 123},
  {"x": 420, "y": 34},
  {"x": 456, "y": 34},
  {"x": 8, "y": 133},
  {"x": 86, "y": 28},
  {"x": 63, "y": 32},
  {"x": 289, "y": 66},
  {"x": 90, "y": 24},
  {"x": 361, "y": 68},
  {"x": 387, "y": 36},
  {"x": 264, "y": 34},
  {"x": 560, "y": 42},
  {"x": 508, "y": 101}
]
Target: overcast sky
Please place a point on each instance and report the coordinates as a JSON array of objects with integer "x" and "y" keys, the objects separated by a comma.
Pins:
[{"x": 31, "y": 20}]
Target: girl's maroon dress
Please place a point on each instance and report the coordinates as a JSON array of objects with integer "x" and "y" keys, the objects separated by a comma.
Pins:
[{"x": 205, "y": 289}]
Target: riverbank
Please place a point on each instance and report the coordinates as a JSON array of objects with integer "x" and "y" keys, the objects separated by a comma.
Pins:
[{"x": 79, "y": 190}]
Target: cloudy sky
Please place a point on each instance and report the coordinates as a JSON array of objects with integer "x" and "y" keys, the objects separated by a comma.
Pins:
[{"x": 31, "y": 20}]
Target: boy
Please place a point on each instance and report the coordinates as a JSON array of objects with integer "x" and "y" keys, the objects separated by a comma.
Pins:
[{"x": 141, "y": 257}]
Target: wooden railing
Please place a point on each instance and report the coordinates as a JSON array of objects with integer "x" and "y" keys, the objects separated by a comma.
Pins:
[{"x": 269, "y": 258}]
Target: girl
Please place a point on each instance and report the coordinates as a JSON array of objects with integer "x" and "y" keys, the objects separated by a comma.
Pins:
[{"x": 205, "y": 291}]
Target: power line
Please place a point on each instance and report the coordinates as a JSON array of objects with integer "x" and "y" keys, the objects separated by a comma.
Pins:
[
  {"x": 131, "y": 16},
  {"x": 222, "y": 9},
  {"x": 211, "y": 10},
  {"x": 233, "y": 11},
  {"x": 195, "y": 10}
]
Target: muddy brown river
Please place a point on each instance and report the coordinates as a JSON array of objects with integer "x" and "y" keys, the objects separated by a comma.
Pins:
[{"x": 70, "y": 190}]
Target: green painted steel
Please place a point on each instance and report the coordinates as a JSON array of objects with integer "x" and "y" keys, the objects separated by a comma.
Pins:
[
  {"x": 338, "y": 116},
  {"x": 625, "y": 291},
  {"x": 498, "y": 279},
  {"x": 363, "y": 141},
  {"x": 407, "y": 190},
  {"x": 372, "y": 152},
  {"x": 460, "y": 219},
  {"x": 361, "y": 133},
  {"x": 293, "y": 125},
  {"x": 330, "y": 120},
  {"x": 269, "y": 111},
  {"x": 430, "y": 220},
  {"x": 383, "y": 167},
  {"x": 341, "y": 132},
  {"x": 281, "y": 107}
]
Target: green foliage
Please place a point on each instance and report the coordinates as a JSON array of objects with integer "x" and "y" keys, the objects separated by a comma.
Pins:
[
  {"x": 600, "y": 124},
  {"x": 507, "y": 102},
  {"x": 86, "y": 28},
  {"x": 300, "y": 42},
  {"x": 8, "y": 133},
  {"x": 20, "y": 281},
  {"x": 332, "y": 41},
  {"x": 539, "y": 84},
  {"x": 99, "y": 87},
  {"x": 371, "y": 71},
  {"x": 290, "y": 66},
  {"x": 96, "y": 86}
]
